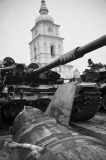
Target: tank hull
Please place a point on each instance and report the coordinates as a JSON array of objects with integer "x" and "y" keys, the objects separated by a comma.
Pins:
[{"x": 33, "y": 127}]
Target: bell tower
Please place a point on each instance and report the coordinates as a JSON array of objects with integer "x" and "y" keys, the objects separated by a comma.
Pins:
[{"x": 46, "y": 44}]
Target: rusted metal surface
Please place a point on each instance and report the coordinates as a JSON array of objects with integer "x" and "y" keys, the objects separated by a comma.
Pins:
[
  {"x": 60, "y": 106},
  {"x": 75, "y": 148},
  {"x": 34, "y": 127},
  {"x": 32, "y": 121},
  {"x": 79, "y": 149}
]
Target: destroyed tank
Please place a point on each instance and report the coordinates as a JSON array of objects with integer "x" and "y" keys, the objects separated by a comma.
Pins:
[
  {"x": 36, "y": 86},
  {"x": 36, "y": 136},
  {"x": 97, "y": 74},
  {"x": 20, "y": 87}
]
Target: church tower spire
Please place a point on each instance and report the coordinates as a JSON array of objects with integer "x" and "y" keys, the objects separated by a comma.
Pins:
[{"x": 43, "y": 8}]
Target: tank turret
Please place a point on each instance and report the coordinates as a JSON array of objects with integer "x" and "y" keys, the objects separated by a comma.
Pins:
[{"x": 97, "y": 74}]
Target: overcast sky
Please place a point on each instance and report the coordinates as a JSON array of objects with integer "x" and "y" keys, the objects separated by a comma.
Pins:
[{"x": 81, "y": 21}]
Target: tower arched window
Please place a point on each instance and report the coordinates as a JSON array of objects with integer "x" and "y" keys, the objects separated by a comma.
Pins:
[
  {"x": 52, "y": 50},
  {"x": 35, "y": 55}
]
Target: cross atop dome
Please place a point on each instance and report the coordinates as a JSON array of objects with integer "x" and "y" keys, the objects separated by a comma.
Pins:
[{"x": 43, "y": 8}]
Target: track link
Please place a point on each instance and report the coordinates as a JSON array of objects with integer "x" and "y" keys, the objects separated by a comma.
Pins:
[{"x": 85, "y": 110}]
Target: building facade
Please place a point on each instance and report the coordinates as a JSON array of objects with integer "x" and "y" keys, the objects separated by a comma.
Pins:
[{"x": 46, "y": 44}]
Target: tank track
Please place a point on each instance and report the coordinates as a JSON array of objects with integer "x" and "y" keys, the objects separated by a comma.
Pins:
[{"x": 86, "y": 105}]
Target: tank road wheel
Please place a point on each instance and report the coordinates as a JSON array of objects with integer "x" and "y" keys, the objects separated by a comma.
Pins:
[
  {"x": 86, "y": 108},
  {"x": 104, "y": 102}
]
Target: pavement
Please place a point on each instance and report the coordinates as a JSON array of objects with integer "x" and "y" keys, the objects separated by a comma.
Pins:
[{"x": 96, "y": 127}]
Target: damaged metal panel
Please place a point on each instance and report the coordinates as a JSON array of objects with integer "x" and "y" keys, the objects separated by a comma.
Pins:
[
  {"x": 60, "y": 106},
  {"x": 33, "y": 128}
]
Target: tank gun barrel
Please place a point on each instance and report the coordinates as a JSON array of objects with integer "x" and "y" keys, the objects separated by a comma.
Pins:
[{"x": 73, "y": 55}]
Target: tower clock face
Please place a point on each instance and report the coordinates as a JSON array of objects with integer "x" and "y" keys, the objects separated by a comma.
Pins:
[{"x": 50, "y": 29}]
